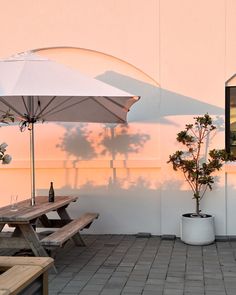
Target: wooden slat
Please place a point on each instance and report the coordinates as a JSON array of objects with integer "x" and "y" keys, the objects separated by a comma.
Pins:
[
  {"x": 4, "y": 292},
  {"x": 66, "y": 232},
  {"x": 21, "y": 272},
  {"x": 13, "y": 243},
  {"x": 18, "y": 277},
  {"x": 26, "y": 212},
  {"x": 9, "y": 261}
]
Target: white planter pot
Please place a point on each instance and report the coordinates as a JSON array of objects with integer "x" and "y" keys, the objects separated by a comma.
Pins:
[{"x": 197, "y": 231}]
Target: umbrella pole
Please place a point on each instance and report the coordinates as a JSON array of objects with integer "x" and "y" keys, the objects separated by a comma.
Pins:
[{"x": 32, "y": 164}]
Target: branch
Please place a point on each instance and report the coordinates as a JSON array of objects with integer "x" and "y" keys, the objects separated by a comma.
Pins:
[
  {"x": 204, "y": 192},
  {"x": 190, "y": 183}
]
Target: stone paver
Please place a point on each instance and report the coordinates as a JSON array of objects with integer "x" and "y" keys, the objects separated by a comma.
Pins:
[{"x": 128, "y": 265}]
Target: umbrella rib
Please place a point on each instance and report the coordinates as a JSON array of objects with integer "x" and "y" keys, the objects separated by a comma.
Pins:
[
  {"x": 10, "y": 106},
  {"x": 116, "y": 103},
  {"x": 38, "y": 105},
  {"x": 47, "y": 105},
  {"x": 23, "y": 99},
  {"x": 98, "y": 102},
  {"x": 53, "y": 111}
]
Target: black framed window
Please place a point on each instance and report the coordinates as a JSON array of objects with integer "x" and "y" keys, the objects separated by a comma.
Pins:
[{"x": 230, "y": 119}]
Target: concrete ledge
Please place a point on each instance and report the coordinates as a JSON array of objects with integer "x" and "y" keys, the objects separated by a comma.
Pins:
[
  {"x": 168, "y": 237},
  {"x": 225, "y": 238}
]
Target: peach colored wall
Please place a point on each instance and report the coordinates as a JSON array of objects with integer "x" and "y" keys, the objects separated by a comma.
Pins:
[{"x": 177, "y": 55}]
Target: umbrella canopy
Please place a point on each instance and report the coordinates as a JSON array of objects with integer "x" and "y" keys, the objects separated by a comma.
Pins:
[
  {"x": 37, "y": 88},
  {"x": 34, "y": 88}
]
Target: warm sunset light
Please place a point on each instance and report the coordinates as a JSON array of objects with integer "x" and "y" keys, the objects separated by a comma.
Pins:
[{"x": 118, "y": 147}]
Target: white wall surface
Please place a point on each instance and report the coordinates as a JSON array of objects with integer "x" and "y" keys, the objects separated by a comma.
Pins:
[{"x": 177, "y": 56}]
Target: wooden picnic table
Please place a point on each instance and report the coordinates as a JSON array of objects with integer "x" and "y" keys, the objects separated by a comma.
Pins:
[{"x": 27, "y": 218}]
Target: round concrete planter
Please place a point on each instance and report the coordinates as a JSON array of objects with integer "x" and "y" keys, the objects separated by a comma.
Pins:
[{"x": 197, "y": 230}]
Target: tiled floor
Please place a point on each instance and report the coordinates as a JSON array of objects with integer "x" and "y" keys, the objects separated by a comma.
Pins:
[{"x": 117, "y": 264}]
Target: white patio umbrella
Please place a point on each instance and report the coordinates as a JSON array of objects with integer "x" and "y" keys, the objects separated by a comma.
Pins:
[{"x": 34, "y": 88}]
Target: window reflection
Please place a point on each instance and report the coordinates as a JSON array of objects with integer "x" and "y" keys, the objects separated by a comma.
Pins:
[{"x": 231, "y": 93}]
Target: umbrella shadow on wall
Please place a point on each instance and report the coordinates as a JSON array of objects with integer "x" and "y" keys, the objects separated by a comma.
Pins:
[
  {"x": 157, "y": 103},
  {"x": 80, "y": 143}
]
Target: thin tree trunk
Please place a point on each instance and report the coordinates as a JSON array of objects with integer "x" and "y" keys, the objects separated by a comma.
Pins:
[{"x": 198, "y": 205}]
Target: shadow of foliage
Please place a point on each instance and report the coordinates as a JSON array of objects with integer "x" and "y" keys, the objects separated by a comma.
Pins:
[
  {"x": 77, "y": 142},
  {"x": 120, "y": 141}
]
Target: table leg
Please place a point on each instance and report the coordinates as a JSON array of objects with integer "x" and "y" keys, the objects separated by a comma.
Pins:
[
  {"x": 32, "y": 239},
  {"x": 2, "y": 226},
  {"x": 17, "y": 232},
  {"x": 45, "y": 221},
  {"x": 76, "y": 238}
]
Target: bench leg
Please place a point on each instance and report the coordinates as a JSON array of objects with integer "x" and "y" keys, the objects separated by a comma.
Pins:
[
  {"x": 77, "y": 239},
  {"x": 45, "y": 283}
]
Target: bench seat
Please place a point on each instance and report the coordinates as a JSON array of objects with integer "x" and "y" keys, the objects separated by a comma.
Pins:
[{"x": 59, "y": 237}]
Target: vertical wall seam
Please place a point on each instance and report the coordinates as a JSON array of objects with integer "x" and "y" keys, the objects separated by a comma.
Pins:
[
  {"x": 160, "y": 93},
  {"x": 226, "y": 204},
  {"x": 226, "y": 179}
]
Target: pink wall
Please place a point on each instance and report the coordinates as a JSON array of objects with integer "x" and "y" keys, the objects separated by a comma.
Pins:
[{"x": 177, "y": 55}]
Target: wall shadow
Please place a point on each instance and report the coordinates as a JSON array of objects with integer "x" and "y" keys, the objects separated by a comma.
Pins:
[
  {"x": 157, "y": 103},
  {"x": 122, "y": 210},
  {"x": 76, "y": 142},
  {"x": 116, "y": 139},
  {"x": 155, "y": 106}
]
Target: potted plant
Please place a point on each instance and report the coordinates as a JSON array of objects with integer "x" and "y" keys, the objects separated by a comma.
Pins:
[{"x": 198, "y": 170}]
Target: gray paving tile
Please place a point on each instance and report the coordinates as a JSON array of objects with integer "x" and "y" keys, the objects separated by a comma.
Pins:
[{"x": 126, "y": 265}]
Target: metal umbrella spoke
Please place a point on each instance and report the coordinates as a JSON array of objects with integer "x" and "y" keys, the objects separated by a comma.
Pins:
[
  {"x": 45, "y": 107},
  {"x": 111, "y": 112},
  {"x": 57, "y": 108},
  {"x": 24, "y": 102},
  {"x": 11, "y": 107},
  {"x": 116, "y": 103}
]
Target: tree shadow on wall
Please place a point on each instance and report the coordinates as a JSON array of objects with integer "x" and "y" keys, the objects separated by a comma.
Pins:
[
  {"x": 76, "y": 142},
  {"x": 81, "y": 143},
  {"x": 121, "y": 142}
]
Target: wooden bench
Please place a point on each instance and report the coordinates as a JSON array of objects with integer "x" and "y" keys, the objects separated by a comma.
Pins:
[
  {"x": 70, "y": 230},
  {"x": 24, "y": 275}
]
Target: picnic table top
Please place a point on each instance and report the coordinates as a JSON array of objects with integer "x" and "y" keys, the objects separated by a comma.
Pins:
[{"x": 25, "y": 212}]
